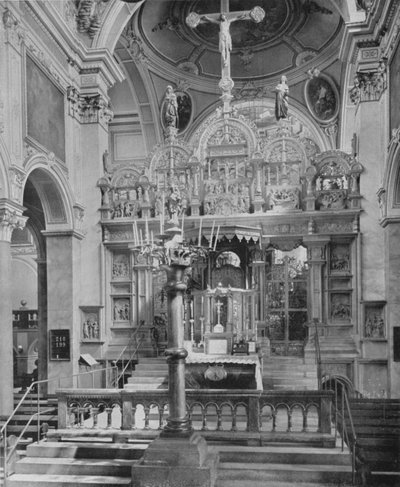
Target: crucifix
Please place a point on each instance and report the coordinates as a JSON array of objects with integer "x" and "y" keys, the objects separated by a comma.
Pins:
[
  {"x": 219, "y": 305},
  {"x": 224, "y": 20}
]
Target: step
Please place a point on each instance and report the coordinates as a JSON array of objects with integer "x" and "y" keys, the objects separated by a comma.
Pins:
[
  {"x": 88, "y": 450},
  {"x": 288, "y": 454},
  {"x": 74, "y": 466},
  {"x": 25, "y": 480},
  {"x": 288, "y": 472},
  {"x": 145, "y": 380}
]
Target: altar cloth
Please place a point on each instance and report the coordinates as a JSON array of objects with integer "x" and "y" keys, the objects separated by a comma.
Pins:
[{"x": 247, "y": 360}]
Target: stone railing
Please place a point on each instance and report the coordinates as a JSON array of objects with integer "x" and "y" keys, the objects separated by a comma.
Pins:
[{"x": 208, "y": 410}]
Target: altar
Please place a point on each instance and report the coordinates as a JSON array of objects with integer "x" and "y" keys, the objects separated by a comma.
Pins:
[
  {"x": 224, "y": 316},
  {"x": 205, "y": 371}
]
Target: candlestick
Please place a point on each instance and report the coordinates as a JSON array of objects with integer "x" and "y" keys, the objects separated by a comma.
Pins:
[
  {"x": 183, "y": 223},
  {"x": 211, "y": 236},
  {"x": 216, "y": 239},
  {"x": 147, "y": 231},
  {"x": 199, "y": 239}
]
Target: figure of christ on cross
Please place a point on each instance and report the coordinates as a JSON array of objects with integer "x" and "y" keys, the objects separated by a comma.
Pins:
[{"x": 224, "y": 19}]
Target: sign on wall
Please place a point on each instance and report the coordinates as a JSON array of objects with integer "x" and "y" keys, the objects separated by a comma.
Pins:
[{"x": 60, "y": 348}]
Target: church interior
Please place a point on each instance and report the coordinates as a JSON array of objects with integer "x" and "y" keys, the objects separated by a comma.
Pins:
[{"x": 200, "y": 243}]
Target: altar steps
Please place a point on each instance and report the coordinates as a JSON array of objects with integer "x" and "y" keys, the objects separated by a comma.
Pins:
[
  {"x": 289, "y": 373},
  {"x": 281, "y": 466},
  {"x": 150, "y": 373}
]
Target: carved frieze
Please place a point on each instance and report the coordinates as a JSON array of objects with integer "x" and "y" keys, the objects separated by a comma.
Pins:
[
  {"x": 369, "y": 85},
  {"x": 88, "y": 15}
]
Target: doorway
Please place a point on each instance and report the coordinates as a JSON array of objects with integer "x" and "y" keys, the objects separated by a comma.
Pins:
[{"x": 286, "y": 300}]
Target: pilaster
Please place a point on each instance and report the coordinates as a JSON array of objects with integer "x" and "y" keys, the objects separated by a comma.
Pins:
[{"x": 10, "y": 218}]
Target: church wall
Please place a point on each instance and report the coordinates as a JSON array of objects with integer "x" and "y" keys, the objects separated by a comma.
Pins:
[{"x": 392, "y": 263}]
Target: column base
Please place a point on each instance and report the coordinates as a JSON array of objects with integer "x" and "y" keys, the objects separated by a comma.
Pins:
[{"x": 183, "y": 462}]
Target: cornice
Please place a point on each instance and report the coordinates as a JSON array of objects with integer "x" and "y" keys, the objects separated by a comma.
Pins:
[{"x": 77, "y": 54}]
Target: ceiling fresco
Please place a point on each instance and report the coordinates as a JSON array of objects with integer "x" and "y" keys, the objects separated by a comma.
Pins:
[{"x": 293, "y": 33}]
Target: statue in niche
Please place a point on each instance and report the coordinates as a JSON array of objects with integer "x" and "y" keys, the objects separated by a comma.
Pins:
[
  {"x": 171, "y": 109},
  {"x": 282, "y": 99},
  {"x": 174, "y": 205},
  {"x": 90, "y": 329}
]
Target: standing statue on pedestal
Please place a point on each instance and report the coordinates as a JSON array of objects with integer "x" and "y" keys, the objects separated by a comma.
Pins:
[
  {"x": 171, "y": 109},
  {"x": 282, "y": 99}
]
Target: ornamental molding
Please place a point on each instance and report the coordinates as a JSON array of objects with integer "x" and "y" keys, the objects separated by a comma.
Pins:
[
  {"x": 10, "y": 219},
  {"x": 369, "y": 85},
  {"x": 15, "y": 32},
  {"x": 17, "y": 178},
  {"x": 89, "y": 108}
]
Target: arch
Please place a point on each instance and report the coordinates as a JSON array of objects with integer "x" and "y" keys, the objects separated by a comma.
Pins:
[
  {"x": 338, "y": 382},
  {"x": 53, "y": 189},
  {"x": 389, "y": 194},
  {"x": 113, "y": 24}
]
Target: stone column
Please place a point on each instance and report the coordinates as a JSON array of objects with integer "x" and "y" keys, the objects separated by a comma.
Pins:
[
  {"x": 10, "y": 218},
  {"x": 42, "y": 324}
]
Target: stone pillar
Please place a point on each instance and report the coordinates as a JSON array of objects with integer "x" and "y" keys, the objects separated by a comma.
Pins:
[
  {"x": 63, "y": 300},
  {"x": 10, "y": 218},
  {"x": 42, "y": 324}
]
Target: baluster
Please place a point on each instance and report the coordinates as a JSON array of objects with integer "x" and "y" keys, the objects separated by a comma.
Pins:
[
  {"x": 234, "y": 420},
  {"x": 109, "y": 419},
  {"x": 133, "y": 417},
  {"x": 81, "y": 413},
  {"x": 289, "y": 415},
  {"x": 146, "y": 417},
  {"x": 70, "y": 413},
  {"x": 274, "y": 420},
  {"x": 160, "y": 417},
  {"x": 95, "y": 415},
  {"x": 305, "y": 420},
  {"x": 204, "y": 419},
  {"x": 219, "y": 420}
]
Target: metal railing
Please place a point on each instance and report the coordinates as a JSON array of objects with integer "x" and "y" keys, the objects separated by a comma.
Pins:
[
  {"x": 343, "y": 421},
  {"x": 32, "y": 395},
  {"x": 132, "y": 350},
  {"x": 318, "y": 359}
]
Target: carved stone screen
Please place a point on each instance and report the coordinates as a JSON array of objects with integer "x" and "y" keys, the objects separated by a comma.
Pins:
[{"x": 45, "y": 111}]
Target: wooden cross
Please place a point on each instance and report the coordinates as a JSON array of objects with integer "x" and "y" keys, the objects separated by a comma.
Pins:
[{"x": 224, "y": 20}]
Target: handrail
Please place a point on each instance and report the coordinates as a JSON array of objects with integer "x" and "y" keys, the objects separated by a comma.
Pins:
[
  {"x": 129, "y": 362},
  {"x": 7, "y": 455},
  {"x": 342, "y": 414},
  {"x": 318, "y": 355},
  {"x": 132, "y": 341},
  {"x": 3, "y": 430}
]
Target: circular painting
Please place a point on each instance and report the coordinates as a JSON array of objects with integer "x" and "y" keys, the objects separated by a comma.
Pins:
[
  {"x": 322, "y": 98},
  {"x": 185, "y": 109}
]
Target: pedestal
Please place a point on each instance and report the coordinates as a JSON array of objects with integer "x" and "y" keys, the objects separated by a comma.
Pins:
[{"x": 170, "y": 462}]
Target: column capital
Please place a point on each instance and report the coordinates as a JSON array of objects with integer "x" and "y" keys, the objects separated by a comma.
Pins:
[
  {"x": 10, "y": 219},
  {"x": 316, "y": 246}
]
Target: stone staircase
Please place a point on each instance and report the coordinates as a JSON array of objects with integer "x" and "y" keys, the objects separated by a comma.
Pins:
[
  {"x": 377, "y": 426},
  {"x": 26, "y": 410},
  {"x": 289, "y": 373},
  {"x": 284, "y": 460},
  {"x": 283, "y": 465},
  {"x": 150, "y": 373},
  {"x": 66, "y": 464}
]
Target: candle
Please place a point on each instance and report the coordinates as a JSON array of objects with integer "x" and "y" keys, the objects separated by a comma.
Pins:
[
  {"x": 216, "y": 239},
  {"x": 202, "y": 306},
  {"x": 199, "y": 240},
  {"x": 211, "y": 236},
  {"x": 163, "y": 213},
  {"x": 183, "y": 223},
  {"x": 141, "y": 237}
]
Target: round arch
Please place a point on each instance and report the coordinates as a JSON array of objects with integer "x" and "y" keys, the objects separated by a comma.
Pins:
[{"x": 53, "y": 190}]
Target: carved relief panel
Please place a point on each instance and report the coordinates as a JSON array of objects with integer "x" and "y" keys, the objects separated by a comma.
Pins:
[
  {"x": 374, "y": 320},
  {"x": 90, "y": 324}
]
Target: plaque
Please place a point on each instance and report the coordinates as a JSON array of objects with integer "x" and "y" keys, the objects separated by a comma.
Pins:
[{"x": 60, "y": 345}]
